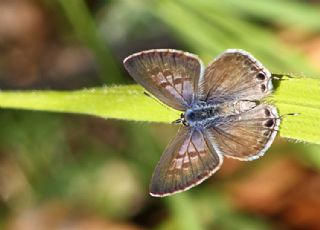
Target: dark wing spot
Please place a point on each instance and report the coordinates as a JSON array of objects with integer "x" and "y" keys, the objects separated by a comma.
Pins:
[
  {"x": 266, "y": 133},
  {"x": 164, "y": 84},
  {"x": 193, "y": 154},
  {"x": 267, "y": 112},
  {"x": 269, "y": 123},
  {"x": 247, "y": 62},
  {"x": 198, "y": 177},
  {"x": 253, "y": 68},
  {"x": 261, "y": 76}
]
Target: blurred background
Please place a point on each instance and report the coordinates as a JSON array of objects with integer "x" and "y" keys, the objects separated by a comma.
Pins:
[{"x": 64, "y": 171}]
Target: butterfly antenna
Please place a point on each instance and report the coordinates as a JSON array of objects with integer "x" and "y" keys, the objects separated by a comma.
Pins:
[
  {"x": 176, "y": 122},
  {"x": 289, "y": 114},
  {"x": 281, "y": 77},
  {"x": 152, "y": 97}
]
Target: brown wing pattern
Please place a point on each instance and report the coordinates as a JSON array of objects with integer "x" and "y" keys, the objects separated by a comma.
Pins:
[
  {"x": 188, "y": 160},
  {"x": 170, "y": 75},
  {"x": 248, "y": 135},
  {"x": 235, "y": 75}
]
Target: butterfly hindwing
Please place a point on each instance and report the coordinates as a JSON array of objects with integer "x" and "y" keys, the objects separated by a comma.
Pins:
[
  {"x": 170, "y": 75},
  {"x": 248, "y": 135},
  {"x": 188, "y": 160}
]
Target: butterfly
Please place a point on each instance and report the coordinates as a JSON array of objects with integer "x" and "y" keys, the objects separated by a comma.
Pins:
[{"x": 222, "y": 112}]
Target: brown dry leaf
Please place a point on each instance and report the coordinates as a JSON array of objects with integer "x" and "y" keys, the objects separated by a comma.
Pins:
[
  {"x": 33, "y": 53},
  {"x": 100, "y": 224},
  {"x": 312, "y": 50},
  {"x": 283, "y": 190},
  {"x": 302, "y": 40},
  {"x": 302, "y": 210},
  {"x": 57, "y": 216},
  {"x": 23, "y": 35},
  {"x": 266, "y": 190},
  {"x": 15, "y": 189},
  {"x": 230, "y": 167}
]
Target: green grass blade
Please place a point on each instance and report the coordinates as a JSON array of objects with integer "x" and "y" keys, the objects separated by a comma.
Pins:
[
  {"x": 292, "y": 13},
  {"x": 302, "y": 96},
  {"x": 186, "y": 28},
  {"x": 246, "y": 35},
  {"x": 208, "y": 28},
  {"x": 86, "y": 29},
  {"x": 297, "y": 95},
  {"x": 122, "y": 102}
]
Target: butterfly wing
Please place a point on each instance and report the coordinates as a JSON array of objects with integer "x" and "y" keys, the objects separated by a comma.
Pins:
[
  {"x": 235, "y": 75},
  {"x": 188, "y": 160},
  {"x": 170, "y": 75},
  {"x": 245, "y": 136}
]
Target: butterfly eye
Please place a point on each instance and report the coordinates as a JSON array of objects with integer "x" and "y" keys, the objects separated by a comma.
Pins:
[{"x": 191, "y": 116}]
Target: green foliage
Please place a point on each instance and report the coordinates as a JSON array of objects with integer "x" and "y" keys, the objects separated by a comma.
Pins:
[
  {"x": 183, "y": 213},
  {"x": 119, "y": 102},
  {"x": 209, "y": 27},
  {"x": 86, "y": 30},
  {"x": 206, "y": 27},
  {"x": 300, "y": 96}
]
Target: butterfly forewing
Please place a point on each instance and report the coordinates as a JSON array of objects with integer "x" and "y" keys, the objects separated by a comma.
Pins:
[
  {"x": 188, "y": 160},
  {"x": 170, "y": 75},
  {"x": 248, "y": 135},
  {"x": 235, "y": 75}
]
